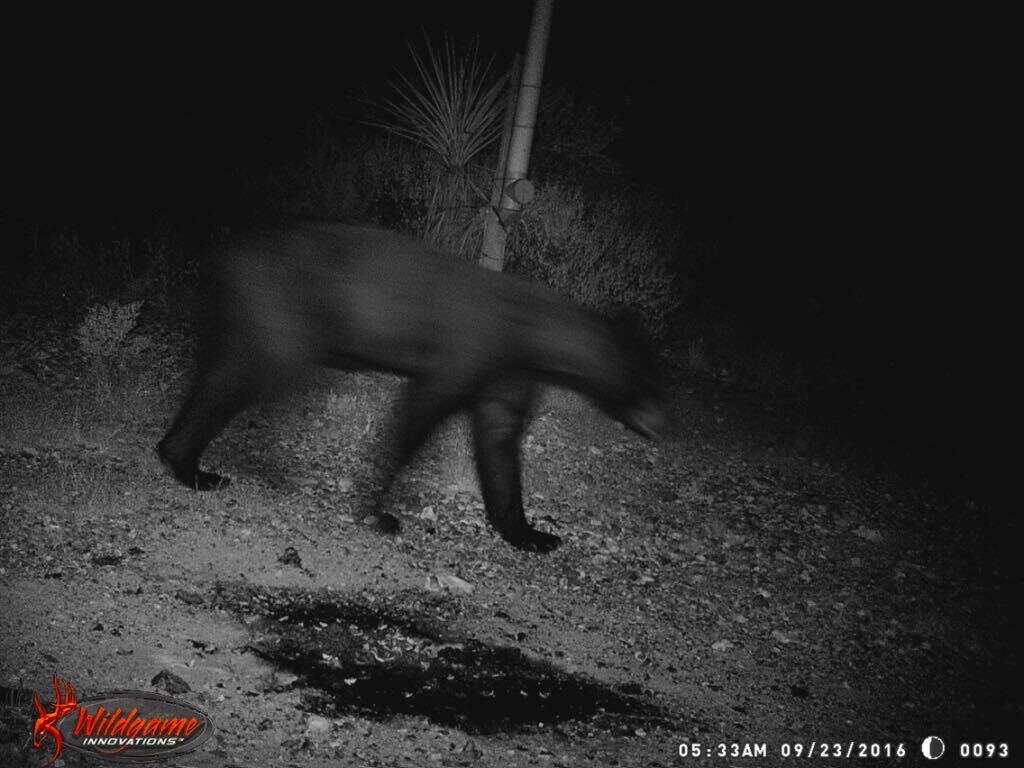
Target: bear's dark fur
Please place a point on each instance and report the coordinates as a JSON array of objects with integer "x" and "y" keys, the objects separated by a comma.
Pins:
[{"x": 467, "y": 339}]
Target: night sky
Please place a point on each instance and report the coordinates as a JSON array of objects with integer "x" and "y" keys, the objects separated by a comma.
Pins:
[
  {"x": 735, "y": 115},
  {"x": 838, "y": 162},
  {"x": 771, "y": 127}
]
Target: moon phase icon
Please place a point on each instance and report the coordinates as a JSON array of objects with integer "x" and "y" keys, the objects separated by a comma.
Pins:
[{"x": 933, "y": 747}]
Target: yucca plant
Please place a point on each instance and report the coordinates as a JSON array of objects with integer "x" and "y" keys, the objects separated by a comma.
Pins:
[
  {"x": 452, "y": 107},
  {"x": 449, "y": 108}
]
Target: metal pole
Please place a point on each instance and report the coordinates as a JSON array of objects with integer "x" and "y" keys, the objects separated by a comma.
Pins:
[
  {"x": 493, "y": 246},
  {"x": 522, "y": 127}
]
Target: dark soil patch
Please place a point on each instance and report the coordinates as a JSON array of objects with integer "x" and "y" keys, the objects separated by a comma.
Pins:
[{"x": 383, "y": 656}]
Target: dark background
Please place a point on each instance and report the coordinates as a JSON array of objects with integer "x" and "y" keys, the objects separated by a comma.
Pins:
[{"x": 845, "y": 167}]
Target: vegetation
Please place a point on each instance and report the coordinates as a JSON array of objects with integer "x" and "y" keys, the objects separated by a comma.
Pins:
[
  {"x": 102, "y": 334},
  {"x": 607, "y": 251},
  {"x": 452, "y": 109}
]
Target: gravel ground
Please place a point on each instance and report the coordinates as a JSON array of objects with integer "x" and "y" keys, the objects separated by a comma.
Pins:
[{"x": 735, "y": 588}]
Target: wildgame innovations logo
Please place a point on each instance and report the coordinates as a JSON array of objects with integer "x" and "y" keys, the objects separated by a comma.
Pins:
[{"x": 121, "y": 726}]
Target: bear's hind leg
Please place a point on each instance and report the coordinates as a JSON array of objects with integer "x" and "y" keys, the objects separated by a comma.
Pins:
[{"x": 498, "y": 421}]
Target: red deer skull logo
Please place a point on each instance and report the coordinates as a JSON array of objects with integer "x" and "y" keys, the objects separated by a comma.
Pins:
[{"x": 64, "y": 701}]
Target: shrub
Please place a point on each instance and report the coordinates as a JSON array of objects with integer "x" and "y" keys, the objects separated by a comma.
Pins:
[
  {"x": 452, "y": 106},
  {"x": 391, "y": 181},
  {"x": 69, "y": 272},
  {"x": 574, "y": 138},
  {"x": 103, "y": 333},
  {"x": 449, "y": 112},
  {"x": 607, "y": 250}
]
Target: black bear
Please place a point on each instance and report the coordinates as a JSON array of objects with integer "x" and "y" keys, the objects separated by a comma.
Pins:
[{"x": 467, "y": 338}]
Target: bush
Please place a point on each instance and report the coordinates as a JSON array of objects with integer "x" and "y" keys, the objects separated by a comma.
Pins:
[
  {"x": 414, "y": 192},
  {"x": 607, "y": 250},
  {"x": 68, "y": 272},
  {"x": 574, "y": 138},
  {"x": 386, "y": 180},
  {"x": 103, "y": 333}
]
